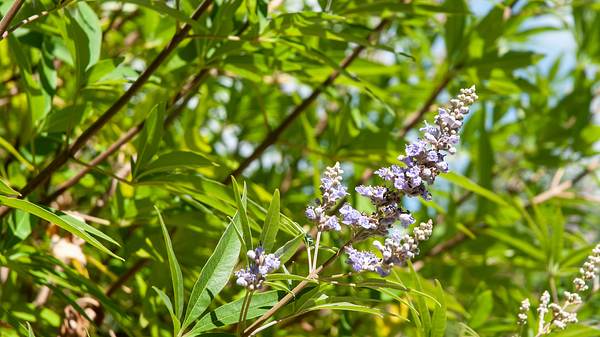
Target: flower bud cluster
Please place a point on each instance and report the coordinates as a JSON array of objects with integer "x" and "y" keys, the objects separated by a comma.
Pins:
[
  {"x": 332, "y": 190},
  {"x": 523, "y": 310},
  {"x": 422, "y": 162},
  {"x": 588, "y": 271},
  {"x": 562, "y": 315},
  {"x": 424, "y": 158},
  {"x": 261, "y": 264}
]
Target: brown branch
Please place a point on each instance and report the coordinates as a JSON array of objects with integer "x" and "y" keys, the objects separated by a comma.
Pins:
[
  {"x": 35, "y": 17},
  {"x": 64, "y": 155},
  {"x": 123, "y": 278},
  {"x": 461, "y": 237},
  {"x": 186, "y": 92},
  {"x": 292, "y": 294},
  {"x": 416, "y": 117},
  {"x": 10, "y": 15},
  {"x": 274, "y": 135}
]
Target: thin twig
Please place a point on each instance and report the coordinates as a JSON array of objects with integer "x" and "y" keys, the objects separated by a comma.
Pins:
[
  {"x": 186, "y": 92},
  {"x": 10, "y": 15},
  {"x": 461, "y": 237},
  {"x": 274, "y": 135},
  {"x": 35, "y": 17},
  {"x": 69, "y": 152},
  {"x": 292, "y": 294}
]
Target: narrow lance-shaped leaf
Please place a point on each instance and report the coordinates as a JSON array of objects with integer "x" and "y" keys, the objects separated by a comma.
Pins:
[
  {"x": 214, "y": 275},
  {"x": 288, "y": 250},
  {"x": 150, "y": 137},
  {"x": 176, "y": 276},
  {"x": 470, "y": 185},
  {"x": 271, "y": 227},
  {"x": 240, "y": 199},
  {"x": 175, "y": 160},
  {"x": 167, "y": 301},
  {"x": 424, "y": 315},
  {"x": 29, "y": 331},
  {"x": 63, "y": 221},
  {"x": 6, "y": 189},
  {"x": 438, "y": 320},
  {"x": 230, "y": 313}
]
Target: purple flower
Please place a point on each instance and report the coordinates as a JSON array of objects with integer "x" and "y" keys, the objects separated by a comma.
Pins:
[
  {"x": 331, "y": 223},
  {"x": 361, "y": 260},
  {"x": 385, "y": 173},
  {"x": 310, "y": 213},
  {"x": 415, "y": 149},
  {"x": 331, "y": 185},
  {"x": 406, "y": 219},
  {"x": 350, "y": 216},
  {"x": 423, "y": 161},
  {"x": 375, "y": 193}
]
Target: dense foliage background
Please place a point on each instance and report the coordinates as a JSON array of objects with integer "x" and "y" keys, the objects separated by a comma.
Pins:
[{"x": 109, "y": 108}]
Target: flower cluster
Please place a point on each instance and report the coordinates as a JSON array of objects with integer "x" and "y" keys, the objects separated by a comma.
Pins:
[
  {"x": 523, "y": 310},
  {"x": 260, "y": 265},
  {"x": 332, "y": 190},
  {"x": 424, "y": 158},
  {"x": 423, "y": 161},
  {"x": 564, "y": 314},
  {"x": 588, "y": 271}
]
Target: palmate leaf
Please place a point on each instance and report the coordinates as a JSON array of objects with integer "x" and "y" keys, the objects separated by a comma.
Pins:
[
  {"x": 215, "y": 274},
  {"x": 62, "y": 220},
  {"x": 176, "y": 275}
]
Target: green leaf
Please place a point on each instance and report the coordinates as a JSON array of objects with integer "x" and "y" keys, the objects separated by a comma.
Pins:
[
  {"x": 438, "y": 320},
  {"x": 214, "y": 275},
  {"x": 83, "y": 38},
  {"x": 62, "y": 220},
  {"x": 230, "y": 313},
  {"x": 20, "y": 224},
  {"x": 163, "y": 9},
  {"x": 39, "y": 102},
  {"x": 175, "y": 160},
  {"x": 150, "y": 137},
  {"x": 346, "y": 306},
  {"x": 176, "y": 276},
  {"x": 517, "y": 243},
  {"x": 454, "y": 28},
  {"x": 29, "y": 331},
  {"x": 240, "y": 199},
  {"x": 271, "y": 227},
  {"x": 64, "y": 120},
  {"x": 481, "y": 309},
  {"x": 422, "y": 309},
  {"x": 577, "y": 330},
  {"x": 470, "y": 185},
  {"x": 6, "y": 189},
  {"x": 10, "y": 149},
  {"x": 167, "y": 301},
  {"x": 288, "y": 250}
]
